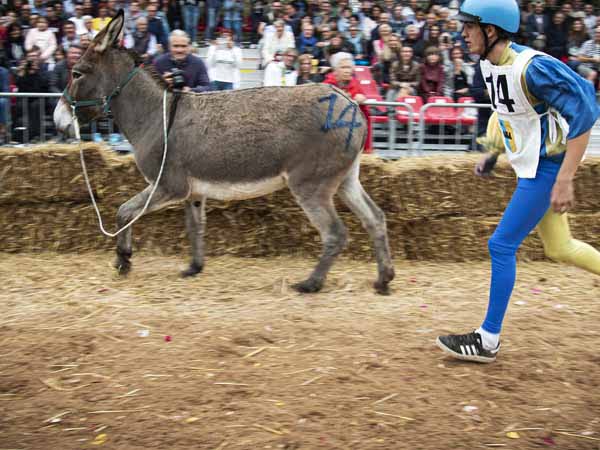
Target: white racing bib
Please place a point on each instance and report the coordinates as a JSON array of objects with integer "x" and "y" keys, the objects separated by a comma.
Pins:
[{"x": 520, "y": 123}]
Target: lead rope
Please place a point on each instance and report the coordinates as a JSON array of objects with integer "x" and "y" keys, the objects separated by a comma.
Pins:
[{"x": 87, "y": 180}]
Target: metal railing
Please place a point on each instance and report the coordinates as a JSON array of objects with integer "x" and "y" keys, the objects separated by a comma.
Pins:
[{"x": 29, "y": 117}]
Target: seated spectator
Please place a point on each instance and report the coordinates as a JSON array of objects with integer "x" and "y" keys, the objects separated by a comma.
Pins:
[
  {"x": 70, "y": 37},
  {"x": 84, "y": 42},
  {"x": 359, "y": 45},
  {"x": 102, "y": 20},
  {"x": 343, "y": 23},
  {"x": 433, "y": 40},
  {"x": 55, "y": 23},
  {"x": 385, "y": 31},
  {"x": 576, "y": 38},
  {"x": 224, "y": 60},
  {"x": 589, "y": 57},
  {"x": 25, "y": 16},
  {"x": 77, "y": 19},
  {"x": 537, "y": 23},
  {"x": 412, "y": 40},
  {"x": 282, "y": 71},
  {"x": 389, "y": 54},
  {"x": 397, "y": 21},
  {"x": 290, "y": 17},
  {"x": 458, "y": 76},
  {"x": 307, "y": 40},
  {"x": 590, "y": 20},
  {"x": 42, "y": 38},
  {"x": 279, "y": 41},
  {"x": 132, "y": 14},
  {"x": 15, "y": 45},
  {"x": 179, "y": 57},
  {"x": 405, "y": 75},
  {"x": 88, "y": 23},
  {"x": 337, "y": 44},
  {"x": 307, "y": 73},
  {"x": 30, "y": 77},
  {"x": 557, "y": 37},
  {"x": 142, "y": 41},
  {"x": 60, "y": 76},
  {"x": 343, "y": 78},
  {"x": 432, "y": 74}
]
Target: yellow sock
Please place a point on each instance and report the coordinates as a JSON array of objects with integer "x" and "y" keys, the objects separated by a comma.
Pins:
[{"x": 559, "y": 245}]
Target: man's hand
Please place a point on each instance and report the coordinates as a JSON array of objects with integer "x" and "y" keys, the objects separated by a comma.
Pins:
[
  {"x": 360, "y": 98},
  {"x": 563, "y": 196},
  {"x": 485, "y": 165},
  {"x": 168, "y": 77}
]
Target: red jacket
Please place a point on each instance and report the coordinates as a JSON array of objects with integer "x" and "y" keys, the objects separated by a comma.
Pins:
[{"x": 353, "y": 89}]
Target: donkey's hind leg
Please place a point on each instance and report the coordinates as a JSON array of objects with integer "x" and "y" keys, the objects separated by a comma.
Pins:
[
  {"x": 321, "y": 212},
  {"x": 195, "y": 220},
  {"x": 128, "y": 211},
  {"x": 373, "y": 220}
]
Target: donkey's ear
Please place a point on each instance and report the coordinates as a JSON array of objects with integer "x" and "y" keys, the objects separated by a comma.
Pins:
[{"x": 111, "y": 33}]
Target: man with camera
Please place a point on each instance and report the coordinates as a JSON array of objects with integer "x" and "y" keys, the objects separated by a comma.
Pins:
[{"x": 179, "y": 68}]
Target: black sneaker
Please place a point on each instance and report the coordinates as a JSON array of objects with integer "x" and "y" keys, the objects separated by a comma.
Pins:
[{"x": 467, "y": 347}]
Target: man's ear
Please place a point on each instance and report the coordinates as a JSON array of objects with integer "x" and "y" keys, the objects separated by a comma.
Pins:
[{"x": 110, "y": 34}]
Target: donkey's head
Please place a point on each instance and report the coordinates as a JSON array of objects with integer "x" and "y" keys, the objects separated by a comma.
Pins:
[{"x": 97, "y": 77}]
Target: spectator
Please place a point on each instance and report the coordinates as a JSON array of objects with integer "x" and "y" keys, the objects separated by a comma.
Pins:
[
  {"x": 324, "y": 16},
  {"x": 589, "y": 57},
  {"x": 379, "y": 45},
  {"x": 279, "y": 41},
  {"x": 343, "y": 23},
  {"x": 25, "y": 16},
  {"x": 156, "y": 26},
  {"x": 212, "y": 15},
  {"x": 590, "y": 18},
  {"x": 102, "y": 20},
  {"x": 60, "y": 76},
  {"x": 224, "y": 60},
  {"x": 405, "y": 75},
  {"x": 343, "y": 78},
  {"x": 142, "y": 41},
  {"x": 70, "y": 37},
  {"x": 479, "y": 92},
  {"x": 291, "y": 18},
  {"x": 389, "y": 54},
  {"x": 409, "y": 11},
  {"x": 557, "y": 37},
  {"x": 432, "y": 41},
  {"x": 282, "y": 72},
  {"x": 397, "y": 21},
  {"x": 77, "y": 19},
  {"x": 306, "y": 73},
  {"x": 180, "y": 57},
  {"x": 30, "y": 77},
  {"x": 412, "y": 40},
  {"x": 537, "y": 23},
  {"x": 84, "y": 42},
  {"x": 42, "y": 38},
  {"x": 576, "y": 38},
  {"x": 431, "y": 21},
  {"x": 458, "y": 75},
  {"x": 174, "y": 15},
  {"x": 55, "y": 23},
  {"x": 432, "y": 74},
  {"x": 307, "y": 41},
  {"x": 4, "y": 103},
  {"x": 337, "y": 44},
  {"x": 359, "y": 46},
  {"x": 131, "y": 16},
  {"x": 232, "y": 18},
  {"x": 191, "y": 17},
  {"x": 88, "y": 23},
  {"x": 15, "y": 45},
  {"x": 257, "y": 18}
]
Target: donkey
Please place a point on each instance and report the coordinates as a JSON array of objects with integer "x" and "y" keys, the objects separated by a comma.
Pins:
[{"x": 231, "y": 146}]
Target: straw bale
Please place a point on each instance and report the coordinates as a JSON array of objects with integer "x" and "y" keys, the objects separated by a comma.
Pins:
[{"x": 435, "y": 207}]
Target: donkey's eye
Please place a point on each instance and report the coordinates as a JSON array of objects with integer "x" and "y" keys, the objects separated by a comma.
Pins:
[{"x": 76, "y": 74}]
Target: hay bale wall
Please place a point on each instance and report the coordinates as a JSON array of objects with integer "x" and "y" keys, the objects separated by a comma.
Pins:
[{"x": 436, "y": 209}]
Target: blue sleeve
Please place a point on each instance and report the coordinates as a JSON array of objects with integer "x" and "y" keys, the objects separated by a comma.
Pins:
[{"x": 554, "y": 83}]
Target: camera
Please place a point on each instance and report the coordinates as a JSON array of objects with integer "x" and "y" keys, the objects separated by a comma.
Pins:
[{"x": 177, "y": 77}]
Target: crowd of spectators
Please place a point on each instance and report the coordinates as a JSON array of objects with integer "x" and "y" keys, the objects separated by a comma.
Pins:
[{"x": 413, "y": 47}]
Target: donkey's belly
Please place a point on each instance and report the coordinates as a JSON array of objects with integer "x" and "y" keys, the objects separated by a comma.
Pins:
[{"x": 237, "y": 191}]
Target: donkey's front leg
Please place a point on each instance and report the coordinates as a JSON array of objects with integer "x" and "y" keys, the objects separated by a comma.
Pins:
[
  {"x": 195, "y": 221},
  {"x": 128, "y": 211}
]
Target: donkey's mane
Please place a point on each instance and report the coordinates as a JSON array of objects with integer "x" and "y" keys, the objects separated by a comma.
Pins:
[{"x": 148, "y": 68}]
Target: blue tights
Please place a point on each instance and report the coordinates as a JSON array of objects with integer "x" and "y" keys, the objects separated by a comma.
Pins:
[{"x": 529, "y": 203}]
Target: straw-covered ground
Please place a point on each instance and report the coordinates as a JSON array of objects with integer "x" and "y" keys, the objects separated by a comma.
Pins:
[{"x": 236, "y": 360}]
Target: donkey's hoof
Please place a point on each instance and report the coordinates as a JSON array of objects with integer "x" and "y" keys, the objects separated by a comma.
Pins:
[
  {"x": 123, "y": 267},
  {"x": 382, "y": 288},
  {"x": 191, "y": 271},
  {"x": 308, "y": 286}
]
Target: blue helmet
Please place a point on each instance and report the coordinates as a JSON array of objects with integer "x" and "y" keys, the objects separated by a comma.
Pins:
[{"x": 501, "y": 13}]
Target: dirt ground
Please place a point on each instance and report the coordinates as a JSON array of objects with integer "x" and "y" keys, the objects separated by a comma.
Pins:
[{"x": 236, "y": 360}]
